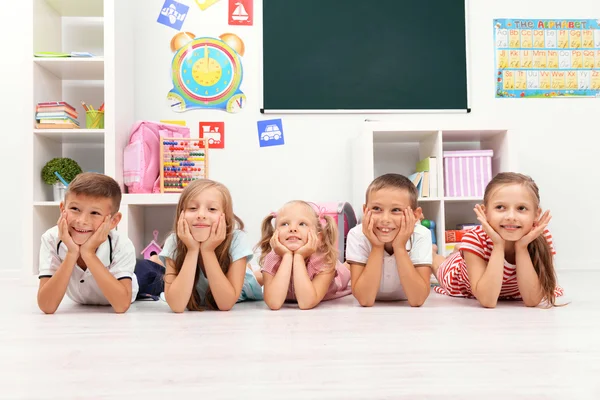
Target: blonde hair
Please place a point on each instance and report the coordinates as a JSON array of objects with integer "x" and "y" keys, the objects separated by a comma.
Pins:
[
  {"x": 96, "y": 185},
  {"x": 394, "y": 181},
  {"x": 539, "y": 249},
  {"x": 222, "y": 251},
  {"x": 328, "y": 233}
]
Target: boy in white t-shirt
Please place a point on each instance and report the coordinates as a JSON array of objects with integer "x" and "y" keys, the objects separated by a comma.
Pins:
[
  {"x": 390, "y": 253},
  {"x": 83, "y": 256}
]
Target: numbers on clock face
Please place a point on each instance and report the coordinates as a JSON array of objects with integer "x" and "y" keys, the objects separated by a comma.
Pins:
[{"x": 206, "y": 72}]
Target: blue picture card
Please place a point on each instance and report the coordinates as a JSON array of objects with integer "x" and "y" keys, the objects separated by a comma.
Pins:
[
  {"x": 173, "y": 14},
  {"x": 270, "y": 133}
]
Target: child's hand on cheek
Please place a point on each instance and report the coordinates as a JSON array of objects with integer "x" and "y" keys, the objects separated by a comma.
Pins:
[
  {"x": 368, "y": 228},
  {"x": 90, "y": 246},
  {"x": 185, "y": 235},
  {"x": 218, "y": 232},
  {"x": 310, "y": 247},
  {"x": 405, "y": 230},
  {"x": 495, "y": 236},
  {"x": 64, "y": 236},
  {"x": 276, "y": 245},
  {"x": 538, "y": 229}
]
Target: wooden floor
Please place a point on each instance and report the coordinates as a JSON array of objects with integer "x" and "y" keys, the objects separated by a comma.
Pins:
[{"x": 447, "y": 349}]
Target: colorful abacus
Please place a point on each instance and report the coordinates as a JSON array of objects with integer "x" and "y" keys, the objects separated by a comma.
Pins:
[{"x": 182, "y": 161}]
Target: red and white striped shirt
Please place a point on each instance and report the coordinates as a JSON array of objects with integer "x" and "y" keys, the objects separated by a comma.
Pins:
[{"x": 453, "y": 275}]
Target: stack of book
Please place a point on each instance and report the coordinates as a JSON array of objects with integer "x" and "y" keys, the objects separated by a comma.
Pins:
[
  {"x": 56, "y": 115},
  {"x": 425, "y": 179}
]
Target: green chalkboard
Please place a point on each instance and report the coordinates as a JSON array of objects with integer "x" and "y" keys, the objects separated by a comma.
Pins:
[{"x": 364, "y": 55}]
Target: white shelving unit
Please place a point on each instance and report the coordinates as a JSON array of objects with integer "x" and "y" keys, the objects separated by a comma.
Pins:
[
  {"x": 385, "y": 147},
  {"x": 103, "y": 28}
]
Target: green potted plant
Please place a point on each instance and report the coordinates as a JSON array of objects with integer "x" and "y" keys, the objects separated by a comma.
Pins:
[{"x": 67, "y": 168}]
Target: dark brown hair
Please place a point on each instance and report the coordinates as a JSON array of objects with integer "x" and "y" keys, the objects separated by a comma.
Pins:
[
  {"x": 96, "y": 185},
  {"x": 394, "y": 181},
  {"x": 222, "y": 251},
  {"x": 539, "y": 249}
]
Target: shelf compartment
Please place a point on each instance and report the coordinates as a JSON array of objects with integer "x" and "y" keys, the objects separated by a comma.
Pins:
[
  {"x": 91, "y": 69},
  {"x": 72, "y": 135},
  {"x": 78, "y": 8}
]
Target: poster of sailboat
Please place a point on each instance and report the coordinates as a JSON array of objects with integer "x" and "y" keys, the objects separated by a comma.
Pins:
[{"x": 240, "y": 12}]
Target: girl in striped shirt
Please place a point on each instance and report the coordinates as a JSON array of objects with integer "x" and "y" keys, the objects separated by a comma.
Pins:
[
  {"x": 299, "y": 258},
  {"x": 510, "y": 256}
]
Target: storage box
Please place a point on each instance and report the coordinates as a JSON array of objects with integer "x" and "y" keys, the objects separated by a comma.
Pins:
[
  {"x": 467, "y": 173},
  {"x": 454, "y": 236}
]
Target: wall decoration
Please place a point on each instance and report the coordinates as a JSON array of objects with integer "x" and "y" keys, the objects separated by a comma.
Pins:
[
  {"x": 173, "y": 14},
  {"x": 207, "y": 74},
  {"x": 181, "y": 39},
  {"x": 204, "y": 4},
  {"x": 270, "y": 132},
  {"x": 543, "y": 58},
  {"x": 241, "y": 12},
  {"x": 214, "y": 132}
]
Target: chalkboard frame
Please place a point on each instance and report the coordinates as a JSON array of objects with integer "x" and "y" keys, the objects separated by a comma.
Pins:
[{"x": 464, "y": 108}]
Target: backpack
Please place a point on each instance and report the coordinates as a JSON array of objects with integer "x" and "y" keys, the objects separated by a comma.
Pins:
[
  {"x": 343, "y": 214},
  {"x": 141, "y": 158}
]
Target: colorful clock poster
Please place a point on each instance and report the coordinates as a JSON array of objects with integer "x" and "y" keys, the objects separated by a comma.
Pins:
[
  {"x": 545, "y": 58},
  {"x": 240, "y": 12},
  {"x": 207, "y": 74},
  {"x": 270, "y": 132},
  {"x": 214, "y": 132}
]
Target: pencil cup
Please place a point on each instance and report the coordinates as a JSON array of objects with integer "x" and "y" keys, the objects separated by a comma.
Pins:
[{"x": 94, "y": 119}]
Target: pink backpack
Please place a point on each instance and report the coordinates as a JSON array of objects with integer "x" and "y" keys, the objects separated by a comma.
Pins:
[
  {"x": 343, "y": 214},
  {"x": 141, "y": 158}
]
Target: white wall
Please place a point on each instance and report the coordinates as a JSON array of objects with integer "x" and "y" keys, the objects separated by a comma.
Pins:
[
  {"x": 555, "y": 139},
  {"x": 16, "y": 114}
]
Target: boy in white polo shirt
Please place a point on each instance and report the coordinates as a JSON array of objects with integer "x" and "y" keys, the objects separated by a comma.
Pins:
[
  {"x": 83, "y": 256},
  {"x": 390, "y": 253}
]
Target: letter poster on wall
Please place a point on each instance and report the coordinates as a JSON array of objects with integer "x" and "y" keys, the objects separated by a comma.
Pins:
[{"x": 543, "y": 58}]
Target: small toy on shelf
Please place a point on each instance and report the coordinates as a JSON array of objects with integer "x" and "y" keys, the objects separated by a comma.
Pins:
[
  {"x": 429, "y": 224},
  {"x": 182, "y": 160},
  {"x": 153, "y": 248}
]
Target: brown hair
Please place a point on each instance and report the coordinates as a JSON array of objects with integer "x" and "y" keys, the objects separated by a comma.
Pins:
[
  {"x": 222, "y": 251},
  {"x": 539, "y": 249},
  {"x": 328, "y": 232},
  {"x": 394, "y": 181},
  {"x": 96, "y": 185}
]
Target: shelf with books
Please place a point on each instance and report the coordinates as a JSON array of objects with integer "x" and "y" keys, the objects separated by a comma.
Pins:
[{"x": 384, "y": 147}]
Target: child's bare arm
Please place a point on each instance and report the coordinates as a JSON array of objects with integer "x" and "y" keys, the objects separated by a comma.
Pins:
[
  {"x": 415, "y": 280},
  {"x": 276, "y": 286},
  {"x": 309, "y": 293},
  {"x": 486, "y": 278},
  {"x": 225, "y": 289},
  {"x": 178, "y": 287},
  {"x": 52, "y": 289},
  {"x": 366, "y": 279}
]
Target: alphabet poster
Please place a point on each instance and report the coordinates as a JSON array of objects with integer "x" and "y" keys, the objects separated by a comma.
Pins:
[{"x": 544, "y": 58}]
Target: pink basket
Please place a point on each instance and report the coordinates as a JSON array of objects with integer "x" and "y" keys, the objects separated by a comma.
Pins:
[{"x": 467, "y": 173}]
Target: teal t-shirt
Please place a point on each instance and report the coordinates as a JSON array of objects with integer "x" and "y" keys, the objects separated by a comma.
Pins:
[{"x": 240, "y": 247}]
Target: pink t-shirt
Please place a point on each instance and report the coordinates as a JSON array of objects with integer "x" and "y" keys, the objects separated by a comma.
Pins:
[{"x": 314, "y": 265}]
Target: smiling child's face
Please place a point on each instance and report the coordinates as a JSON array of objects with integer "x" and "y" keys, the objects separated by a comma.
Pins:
[{"x": 85, "y": 214}]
